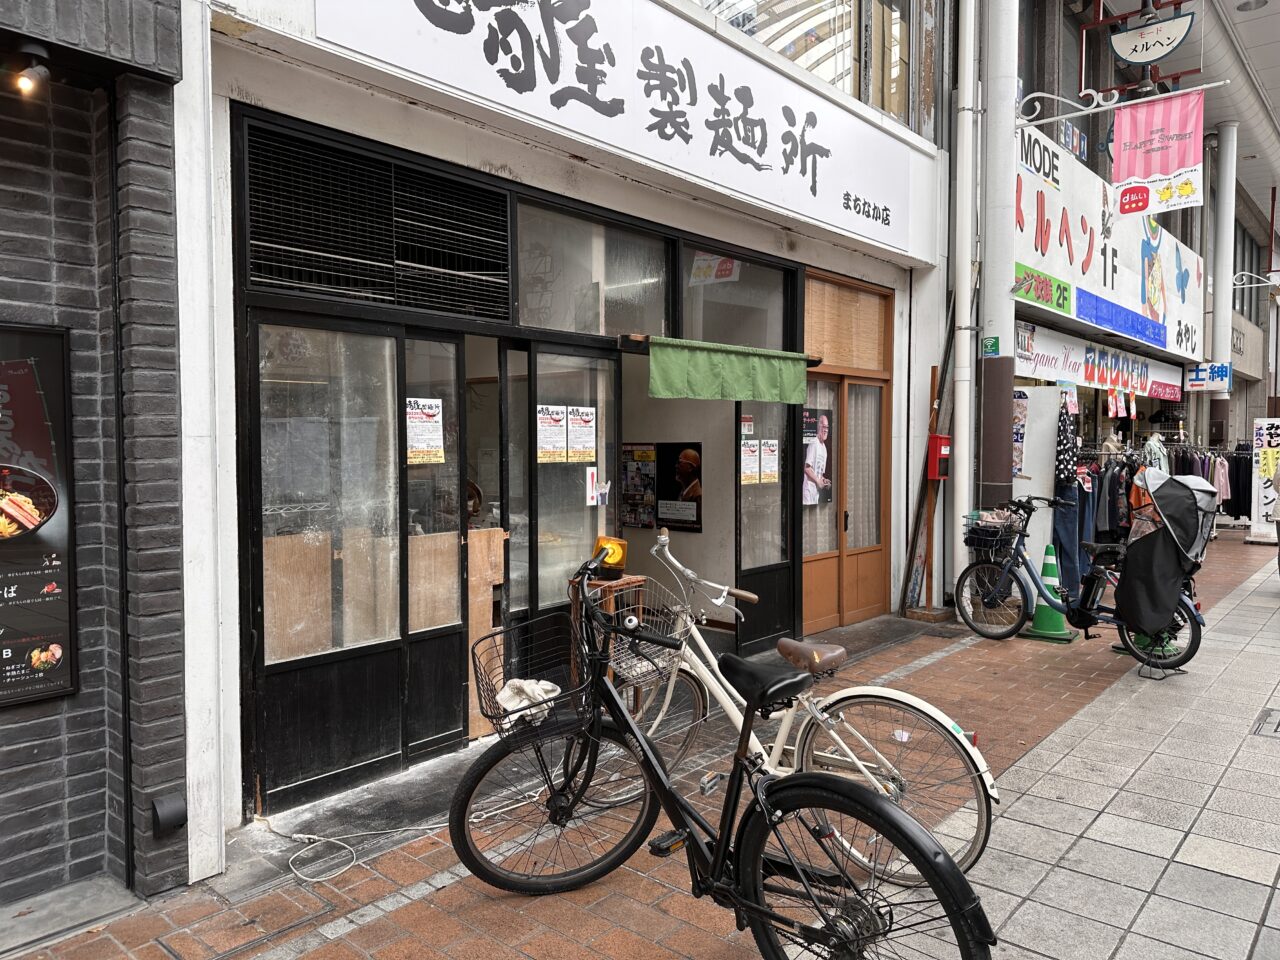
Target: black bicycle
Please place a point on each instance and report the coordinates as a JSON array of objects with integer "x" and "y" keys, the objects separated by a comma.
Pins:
[
  {"x": 993, "y": 594},
  {"x": 815, "y": 865}
]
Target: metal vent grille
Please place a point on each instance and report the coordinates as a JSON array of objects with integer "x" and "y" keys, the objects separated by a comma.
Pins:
[
  {"x": 451, "y": 246},
  {"x": 329, "y": 221}
]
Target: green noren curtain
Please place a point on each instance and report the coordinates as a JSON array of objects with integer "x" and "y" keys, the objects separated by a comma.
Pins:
[{"x": 694, "y": 370}]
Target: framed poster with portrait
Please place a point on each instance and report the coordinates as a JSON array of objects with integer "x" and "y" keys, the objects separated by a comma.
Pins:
[
  {"x": 679, "y": 482},
  {"x": 37, "y": 548},
  {"x": 816, "y": 427}
]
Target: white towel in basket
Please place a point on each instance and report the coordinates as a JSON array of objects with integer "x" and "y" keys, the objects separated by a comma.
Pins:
[{"x": 520, "y": 696}]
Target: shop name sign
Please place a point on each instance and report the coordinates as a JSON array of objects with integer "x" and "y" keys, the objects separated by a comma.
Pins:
[
  {"x": 1045, "y": 354},
  {"x": 1208, "y": 376},
  {"x": 1076, "y": 257},
  {"x": 632, "y": 77}
]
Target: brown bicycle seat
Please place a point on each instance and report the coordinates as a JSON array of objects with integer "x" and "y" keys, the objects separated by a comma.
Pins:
[{"x": 814, "y": 657}]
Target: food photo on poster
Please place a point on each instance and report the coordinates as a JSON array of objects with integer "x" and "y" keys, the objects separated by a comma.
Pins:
[
  {"x": 815, "y": 436},
  {"x": 37, "y": 630},
  {"x": 678, "y": 472}
]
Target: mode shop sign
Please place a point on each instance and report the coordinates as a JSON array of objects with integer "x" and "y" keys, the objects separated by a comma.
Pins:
[
  {"x": 1045, "y": 354},
  {"x": 1074, "y": 256},
  {"x": 632, "y": 77}
]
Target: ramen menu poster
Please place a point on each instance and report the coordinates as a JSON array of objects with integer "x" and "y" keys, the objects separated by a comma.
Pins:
[{"x": 37, "y": 637}]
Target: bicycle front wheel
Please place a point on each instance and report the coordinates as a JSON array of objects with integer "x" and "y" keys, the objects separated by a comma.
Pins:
[
  {"x": 1169, "y": 649},
  {"x": 844, "y": 880},
  {"x": 546, "y": 816},
  {"x": 670, "y": 711},
  {"x": 913, "y": 759},
  {"x": 988, "y": 608}
]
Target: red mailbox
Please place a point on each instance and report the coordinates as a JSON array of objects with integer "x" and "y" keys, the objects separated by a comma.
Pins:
[{"x": 939, "y": 456}]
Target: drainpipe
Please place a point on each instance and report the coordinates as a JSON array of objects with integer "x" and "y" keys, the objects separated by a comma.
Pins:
[
  {"x": 962, "y": 445},
  {"x": 1224, "y": 243}
]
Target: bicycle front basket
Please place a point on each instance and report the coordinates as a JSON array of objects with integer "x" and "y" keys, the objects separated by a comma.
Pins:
[
  {"x": 658, "y": 610},
  {"x": 546, "y": 649}
]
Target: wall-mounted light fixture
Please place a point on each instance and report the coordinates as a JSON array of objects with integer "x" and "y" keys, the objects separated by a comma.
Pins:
[{"x": 36, "y": 56}]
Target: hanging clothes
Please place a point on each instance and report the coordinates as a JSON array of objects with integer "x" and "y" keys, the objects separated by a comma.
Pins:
[
  {"x": 1066, "y": 531},
  {"x": 1221, "y": 479},
  {"x": 1155, "y": 454}
]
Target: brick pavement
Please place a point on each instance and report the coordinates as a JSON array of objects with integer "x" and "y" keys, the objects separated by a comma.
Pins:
[{"x": 416, "y": 901}]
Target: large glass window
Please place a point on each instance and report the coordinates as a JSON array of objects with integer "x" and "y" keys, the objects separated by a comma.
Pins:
[
  {"x": 891, "y": 64},
  {"x": 586, "y": 277},
  {"x": 820, "y": 471},
  {"x": 862, "y": 465},
  {"x": 575, "y": 440},
  {"x": 518, "y": 478},
  {"x": 434, "y": 506},
  {"x": 330, "y": 538},
  {"x": 818, "y": 35},
  {"x": 762, "y": 505},
  {"x": 727, "y": 300}
]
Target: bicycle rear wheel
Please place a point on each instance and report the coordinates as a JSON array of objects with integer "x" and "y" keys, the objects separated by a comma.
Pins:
[
  {"x": 539, "y": 817},
  {"x": 1169, "y": 649},
  {"x": 996, "y": 613},
  {"x": 916, "y": 761},
  {"x": 853, "y": 882}
]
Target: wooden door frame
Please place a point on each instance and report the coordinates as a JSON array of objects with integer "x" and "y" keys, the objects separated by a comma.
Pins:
[{"x": 883, "y": 377}]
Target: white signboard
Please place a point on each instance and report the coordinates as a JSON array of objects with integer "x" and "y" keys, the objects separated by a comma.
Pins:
[
  {"x": 424, "y": 430},
  {"x": 1075, "y": 257},
  {"x": 1149, "y": 42},
  {"x": 1045, "y": 354},
  {"x": 552, "y": 435},
  {"x": 582, "y": 434},
  {"x": 1208, "y": 376},
  {"x": 631, "y": 77},
  {"x": 1266, "y": 457}
]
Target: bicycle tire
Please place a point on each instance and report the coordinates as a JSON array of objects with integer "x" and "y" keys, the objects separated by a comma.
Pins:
[
  {"x": 1156, "y": 651},
  {"x": 965, "y": 604},
  {"x": 507, "y": 851},
  {"x": 938, "y": 781},
  {"x": 865, "y": 916},
  {"x": 676, "y": 732}
]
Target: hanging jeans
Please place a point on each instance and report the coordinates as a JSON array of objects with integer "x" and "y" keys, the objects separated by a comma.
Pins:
[
  {"x": 1066, "y": 538},
  {"x": 1086, "y": 515}
]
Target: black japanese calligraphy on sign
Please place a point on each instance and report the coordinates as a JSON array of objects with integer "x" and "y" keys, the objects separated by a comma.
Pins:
[
  {"x": 866, "y": 208},
  {"x": 727, "y": 131},
  {"x": 676, "y": 86},
  {"x": 511, "y": 47},
  {"x": 799, "y": 146}
]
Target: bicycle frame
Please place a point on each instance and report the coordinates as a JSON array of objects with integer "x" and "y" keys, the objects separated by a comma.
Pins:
[{"x": 697, "y": 657}]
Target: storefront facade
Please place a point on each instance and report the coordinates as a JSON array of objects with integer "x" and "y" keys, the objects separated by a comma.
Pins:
[
  {"x": 1108, "y": 307},
  {"x": 424, "y": 309}
]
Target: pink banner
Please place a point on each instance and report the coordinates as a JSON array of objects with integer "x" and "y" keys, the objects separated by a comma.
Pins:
[{"x": 1159, "y": 151}]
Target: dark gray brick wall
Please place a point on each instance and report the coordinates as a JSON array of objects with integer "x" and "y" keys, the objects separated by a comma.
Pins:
[
  {"x": 54, "y": 232},
  {"x": 147, "y": 269},
  {"x": 140, "y": 33},
  {"x": 63, "y": 792}
]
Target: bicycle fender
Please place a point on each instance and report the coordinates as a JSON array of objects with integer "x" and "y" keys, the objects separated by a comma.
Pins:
[
  {"x": 953, "y": 879},
  {"x": 1191, "y": 606},
  {"x": 888, "y": 693}
]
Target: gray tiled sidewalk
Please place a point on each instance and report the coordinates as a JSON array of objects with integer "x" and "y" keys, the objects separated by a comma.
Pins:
[{"x": 1148, "y": 826}]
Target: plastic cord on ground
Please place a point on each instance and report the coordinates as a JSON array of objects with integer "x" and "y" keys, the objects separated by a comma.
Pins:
[{"x": 313, "y": 840}]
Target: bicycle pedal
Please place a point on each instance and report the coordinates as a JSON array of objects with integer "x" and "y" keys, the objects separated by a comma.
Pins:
[
  {"x": 665, "y": 844},
  {"x": 710, "y": 783}
]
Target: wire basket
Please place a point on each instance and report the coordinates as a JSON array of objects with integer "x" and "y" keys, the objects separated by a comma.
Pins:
[
  {"x": 991, "y": 540},
  {"x": 634, "y": 662},
  {"x": 546, "y": 648}
]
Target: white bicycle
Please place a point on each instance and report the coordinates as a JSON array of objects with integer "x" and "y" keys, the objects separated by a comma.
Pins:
[{"x": 898, "y": 744}]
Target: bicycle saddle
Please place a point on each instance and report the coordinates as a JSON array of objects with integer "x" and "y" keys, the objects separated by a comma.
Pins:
[
  {"x": 1103, "y": 552},
  {"x": 814, "y": 657},
  {"x": 762, "y": 684}
]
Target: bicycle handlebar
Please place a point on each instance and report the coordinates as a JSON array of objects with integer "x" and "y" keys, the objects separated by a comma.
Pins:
[{"x": 631, "y": 627}]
